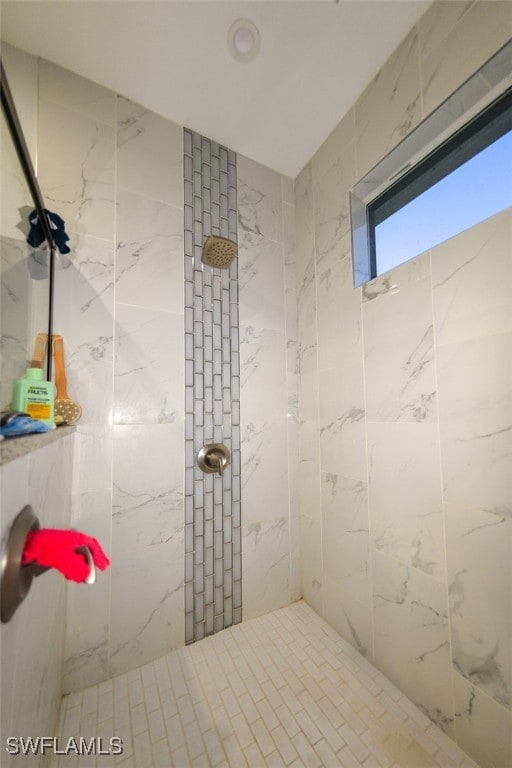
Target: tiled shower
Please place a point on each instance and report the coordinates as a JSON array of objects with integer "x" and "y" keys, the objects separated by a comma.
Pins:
[{"x": 320, "y": 454}]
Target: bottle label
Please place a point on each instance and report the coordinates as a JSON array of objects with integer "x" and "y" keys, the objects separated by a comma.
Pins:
[{"x": 38, "y": 410}]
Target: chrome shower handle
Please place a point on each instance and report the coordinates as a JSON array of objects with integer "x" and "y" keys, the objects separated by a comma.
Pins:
[{"x": 213, "y": 458}]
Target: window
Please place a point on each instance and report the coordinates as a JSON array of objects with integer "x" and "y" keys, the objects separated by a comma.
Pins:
[{"x": 463, "y": 176}]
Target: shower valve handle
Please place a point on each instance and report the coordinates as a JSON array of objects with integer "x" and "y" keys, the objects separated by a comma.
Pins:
[{"x": 213, "y": 458}]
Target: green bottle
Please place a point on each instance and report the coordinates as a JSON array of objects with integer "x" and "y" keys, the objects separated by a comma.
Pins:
[{"x": 34, "y": 396}]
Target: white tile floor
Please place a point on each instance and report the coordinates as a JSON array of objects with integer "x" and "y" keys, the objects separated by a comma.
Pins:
[{"x": 281, "y": 690}]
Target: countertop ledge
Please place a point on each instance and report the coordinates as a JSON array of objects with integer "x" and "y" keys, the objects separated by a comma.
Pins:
[{"x": 12, "y": 448}]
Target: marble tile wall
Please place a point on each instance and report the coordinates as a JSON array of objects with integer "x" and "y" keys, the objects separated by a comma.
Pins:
[
  {"x": 24, "y": 284},
  {"x": 114, "y": 171},
  {"x": 268, "y": 370},
  {"x": 76, "y": 151},
  {"x": 404, "y": 447},
  {"x": 32, "y": 645},
  {"x": 147, "y": 499}
]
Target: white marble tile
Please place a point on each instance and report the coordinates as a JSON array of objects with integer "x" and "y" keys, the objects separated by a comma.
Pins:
[
  {"x": 303, "y": 183},
  {"x": 309, "y": 470},
  {"x": 147, "y": 505},
  {"x": 475, "y": 380},
  {"x": 292, "y": 387},
  {"x": 472, "y": 282},
  {"x": 287, "y": 190},
  {"x": 17, "y": 203},
  {"x": 334, "y": 146},
  {"x": 304, "y": 257},
  {"x": 304, "y": 219},
  {"x": 15, "y": 291},
  {"x": 64, "y": 88},
  {"x": 339, "y": 317},
  {"x": 39, "y": 652},
  {"x": 149, "y": 258},
  {"x": 23, "y": 72},
  {"x": 92, "y": 469},
  {"x": 147, "y": 544},
  {"x": 292, "y": 380},
  {"x": 332, "y": 209},
  {"x": 480, "y": 578},
  {"x": 311, "y": 562},
  {"x": 309, "y": 489},
  {"x": 437, "y": 23},
  {"x": 87, "y": 616},
  {"x": 265, "y": 566},
  {"x": 86, "y": 659},
  {"x": 264, "y": 468},
  {"x": 84, "y": 301},
  {"x": 263, "y": 373},
  {"x": 49, "y": 481},
  {"x": 304, "y": 233},
  {"x": 390, "y": 106},
  {"x": 76, "y": 170},
  {"x": 345, "y": 534},
  {"x": 149, "y": 154},
  {"x": 148, "y": 371},
  {"x": 32, "y": 645},
  {"x": 399, "y": 355},
  {"x": 91, "y": 385},
  {"x": 292, "y": 333},
  {"x": 259, "y": 201},
  {"x": 142, "y": 629},
  {"x": 342, "y": 422},
  {"x": 84, "y": 315},
  {"x": 412, "y": 637},
  {"x": 309, "y": 441},
  {"x": 308, "y": 378},
  {"x": 294, "y": 515},
  {"x": 288, "y": 212},
  {"x": 488, "y": 25},
  {"x": 92, "y": 511},
  {"x": 261, "y": 282},
  {"x": 405, "y": 494},
  {"x": 13, "y": 491},
  {"x": 10, "y": 642},
  {"x": 306, "y": 297},
  {"x": 398, "y": 279},
  {"x": 259, "y": 177},
  {"x": 483, "y": 728},
  {"x": 349, "y": 617}
]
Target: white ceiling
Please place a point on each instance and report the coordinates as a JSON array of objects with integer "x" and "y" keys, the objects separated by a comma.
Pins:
[{"x": 172, "y": 57}]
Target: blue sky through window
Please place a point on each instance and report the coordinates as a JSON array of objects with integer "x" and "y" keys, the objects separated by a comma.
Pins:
[{"x": 476, "y": 190}]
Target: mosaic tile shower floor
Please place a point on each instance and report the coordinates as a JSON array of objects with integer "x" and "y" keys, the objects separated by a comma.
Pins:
[{"x": 280, "y": 690}]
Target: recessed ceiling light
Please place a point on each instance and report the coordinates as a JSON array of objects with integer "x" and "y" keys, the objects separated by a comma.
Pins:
[{"x": 243, "y": 40}]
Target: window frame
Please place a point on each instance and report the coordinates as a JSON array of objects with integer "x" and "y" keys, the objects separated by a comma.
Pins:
[{"x": 453, "y": 133}]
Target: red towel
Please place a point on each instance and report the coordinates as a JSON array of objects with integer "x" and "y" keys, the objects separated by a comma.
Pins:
[{"x": 53, "y": 548}]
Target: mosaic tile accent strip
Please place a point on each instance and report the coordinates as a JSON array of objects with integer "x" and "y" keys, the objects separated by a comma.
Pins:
[{"x": 213, "y": 565}]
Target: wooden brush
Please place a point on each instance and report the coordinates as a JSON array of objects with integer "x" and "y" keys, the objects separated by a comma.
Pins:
[
  {"x": 66, "y": 410},
  {"x": 40, "y": 343}
]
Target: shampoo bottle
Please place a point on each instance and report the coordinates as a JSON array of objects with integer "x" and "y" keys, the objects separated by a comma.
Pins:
[{"x": 34, "y": 396}]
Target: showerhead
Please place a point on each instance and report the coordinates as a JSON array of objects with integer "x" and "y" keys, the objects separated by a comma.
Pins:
[{"x": 219, "y": 252}]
